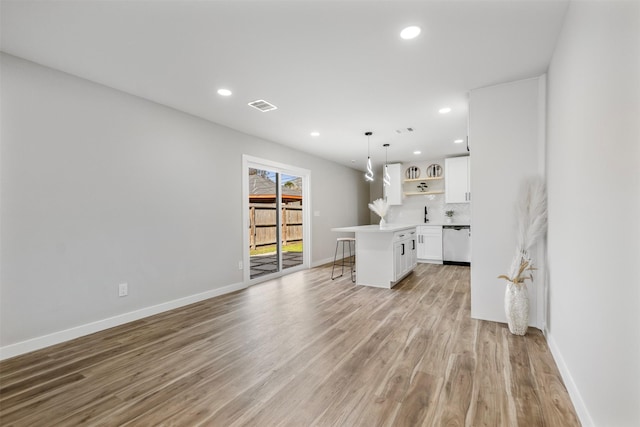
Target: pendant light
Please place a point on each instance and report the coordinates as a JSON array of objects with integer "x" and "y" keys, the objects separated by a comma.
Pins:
[
  {"x": 386, "y": 178},
  {"x": 369, "y": 175}
]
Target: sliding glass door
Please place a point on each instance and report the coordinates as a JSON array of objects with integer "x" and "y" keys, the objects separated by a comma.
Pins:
[{"x": 276, "y": 225}]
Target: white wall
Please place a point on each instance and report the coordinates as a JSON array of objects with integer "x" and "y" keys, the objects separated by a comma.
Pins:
[
  {"x": 506, "y": 129},
  {"x": 100, "y": 187},
  {"x": 594, "y": 208}
]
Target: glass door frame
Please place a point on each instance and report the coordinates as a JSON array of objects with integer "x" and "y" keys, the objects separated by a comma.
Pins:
[{"x": 249, "y": 162}]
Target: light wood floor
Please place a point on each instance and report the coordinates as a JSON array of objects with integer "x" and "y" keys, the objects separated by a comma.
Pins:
[{"x": 301, "y": 351}]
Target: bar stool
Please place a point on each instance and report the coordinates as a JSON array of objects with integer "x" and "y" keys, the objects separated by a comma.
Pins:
[{"x": 346, "y": 242}]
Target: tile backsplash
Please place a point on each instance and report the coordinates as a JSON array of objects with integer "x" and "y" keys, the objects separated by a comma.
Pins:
[{"x": 412, "y": 210}]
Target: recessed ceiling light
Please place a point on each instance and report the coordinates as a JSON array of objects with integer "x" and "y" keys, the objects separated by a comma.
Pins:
[
  {"x": 410, "y": 32},
  {"x": 315, "y": 133},
  {"x": 224, "y": 92},
  {"x": 444, "y": 110},
  {"x": 417, "y": 152},
  {"x": 459, "y": 141}
]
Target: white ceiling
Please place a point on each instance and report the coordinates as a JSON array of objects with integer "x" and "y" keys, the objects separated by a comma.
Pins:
[{"x": 336, "y": 67}]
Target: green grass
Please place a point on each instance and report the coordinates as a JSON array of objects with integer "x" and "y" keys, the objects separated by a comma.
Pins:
[{"x": 293, "y": 247}]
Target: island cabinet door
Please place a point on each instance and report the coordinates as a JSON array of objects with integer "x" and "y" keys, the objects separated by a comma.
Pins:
[
  {"x": 413, "y": 250},
  {"x": 400, "y": 259}
]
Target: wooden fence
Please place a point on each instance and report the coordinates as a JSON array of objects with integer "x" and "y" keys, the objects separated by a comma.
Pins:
[{"x": 262, "y": 224}]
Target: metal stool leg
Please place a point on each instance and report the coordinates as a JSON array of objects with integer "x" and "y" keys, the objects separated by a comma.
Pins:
[
  {"x": 352, "y": 255},
  {"x": 342, "y": 271},
  {"x": 335, "y": 255}
]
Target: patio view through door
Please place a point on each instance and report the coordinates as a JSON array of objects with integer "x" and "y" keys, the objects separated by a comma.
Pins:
[{"x": 276, "y": 226}]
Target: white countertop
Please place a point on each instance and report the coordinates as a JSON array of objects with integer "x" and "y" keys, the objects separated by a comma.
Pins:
[
  {"x": 389, "y": 228},
  {"x": 440, "y": 224}
]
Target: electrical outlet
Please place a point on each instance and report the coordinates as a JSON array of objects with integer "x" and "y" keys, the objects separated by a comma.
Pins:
[
  {"x": 239, "y": 265},
  {"x": 123, "y": 290}
]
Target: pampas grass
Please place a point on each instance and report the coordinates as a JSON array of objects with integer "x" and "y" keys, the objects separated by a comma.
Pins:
[
  {"x": 531, "y": 225},
  {"x": 379, "y": 207}
]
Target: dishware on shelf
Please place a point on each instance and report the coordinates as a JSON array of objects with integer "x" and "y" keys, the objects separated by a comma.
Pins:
[
  {"x": 434, "y": 170},
  {"x": 412, "y": 172}
]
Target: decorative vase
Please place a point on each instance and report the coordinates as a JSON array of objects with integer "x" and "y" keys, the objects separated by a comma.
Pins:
[
  {"x": 449, "y": 220},
  {"x": 516, "y": 307},
  {"x": 383, "y": 223}
]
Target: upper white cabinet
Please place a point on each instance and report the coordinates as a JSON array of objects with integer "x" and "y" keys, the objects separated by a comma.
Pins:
[
  {"x": 393, "y": 192},
  {"x": 457, "y": 181}
]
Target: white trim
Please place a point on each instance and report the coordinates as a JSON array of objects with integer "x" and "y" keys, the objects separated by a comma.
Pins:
[
  {"x": 574, "y": 393},
  {"x": 320, "y": 262},
  {"x": 542, "y": 280},
  {"x": 246, "y": 259},
  {"x": 100, "y": 325}
]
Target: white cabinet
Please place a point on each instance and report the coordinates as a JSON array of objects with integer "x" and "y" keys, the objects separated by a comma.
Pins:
[
  {"x": 457, "y": 180},
  {"x": 398, "y": 256},
  {"x": 404, "y": 253},
  {"x": 429, "y": 239},
  {"x": 393, "y": 192},
  {"x": 414, "y": 250}
]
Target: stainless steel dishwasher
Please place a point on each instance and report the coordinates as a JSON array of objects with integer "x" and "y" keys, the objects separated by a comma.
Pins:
[{"x": 456, "y": 244}]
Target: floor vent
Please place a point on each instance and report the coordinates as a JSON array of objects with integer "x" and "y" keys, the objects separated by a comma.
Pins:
[{"x": 262, "y": 105}]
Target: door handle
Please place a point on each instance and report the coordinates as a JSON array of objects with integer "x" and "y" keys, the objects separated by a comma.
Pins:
[
  {"x": 402, "y": 249},
  {"x": 414, "y": 244}
]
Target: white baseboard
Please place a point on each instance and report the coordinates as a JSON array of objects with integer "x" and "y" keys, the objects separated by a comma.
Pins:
[
  {"x": 574, "y": 393},
  {"x": 100, "y": 325},
  {"x": 321, "y": 262}
]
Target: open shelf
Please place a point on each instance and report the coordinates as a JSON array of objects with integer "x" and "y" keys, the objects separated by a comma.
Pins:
[{"x": 423, "y": 193}]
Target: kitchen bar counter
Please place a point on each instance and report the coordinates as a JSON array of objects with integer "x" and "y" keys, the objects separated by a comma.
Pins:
[
  {"x": 384, "y": 256},
  {"x": 394, "y": 227},
  {"x": 444, "y": 224},
  {"x": 389, "y": 228}
]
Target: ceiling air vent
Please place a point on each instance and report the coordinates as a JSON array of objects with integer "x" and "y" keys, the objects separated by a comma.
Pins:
[
  {"x": 262, "y": 105},
  {"x": 402, "y": 130}
]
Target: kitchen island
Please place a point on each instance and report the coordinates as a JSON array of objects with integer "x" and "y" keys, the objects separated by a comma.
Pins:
[{"x": 384, "y": 256}]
